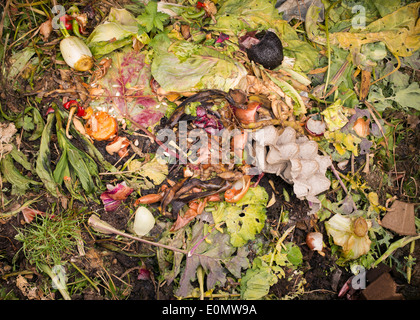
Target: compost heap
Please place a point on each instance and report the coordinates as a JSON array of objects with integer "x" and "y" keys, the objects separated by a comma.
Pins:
[{"x": 223, "y": 93}]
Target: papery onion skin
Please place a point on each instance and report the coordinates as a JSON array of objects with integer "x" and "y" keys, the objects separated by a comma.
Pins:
[
  {"x": 361, "y": 127},
  {"x": 143, "y": 221}
]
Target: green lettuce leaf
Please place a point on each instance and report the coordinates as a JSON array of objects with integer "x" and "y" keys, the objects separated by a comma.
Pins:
[
  {"x": 116, "y": 32},
  {"x": 257, "y": 281},
  {"x": 200, "y": 68}
]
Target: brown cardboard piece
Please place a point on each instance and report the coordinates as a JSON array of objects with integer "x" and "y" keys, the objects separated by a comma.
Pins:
[
  {"x": 400, "y": 218},
  {"x": 383, "y": 288}
]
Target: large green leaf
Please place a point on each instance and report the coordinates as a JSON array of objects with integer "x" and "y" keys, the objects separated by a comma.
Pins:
[
  {"x": 245, "y": 218},
  {"x": 43, "y": 161},
  {"x": 20, "y": 183},
  {"x": 194, "y": 68},
  {"x": 257, "y": 281}
]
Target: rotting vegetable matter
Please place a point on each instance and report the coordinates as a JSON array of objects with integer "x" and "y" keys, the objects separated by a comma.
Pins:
[{"x": 189, "y": 200}]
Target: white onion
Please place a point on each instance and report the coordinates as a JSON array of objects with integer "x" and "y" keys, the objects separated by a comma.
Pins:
[
  {"x": 143, "y": 221},
  {"x": 76, "y": 53}
]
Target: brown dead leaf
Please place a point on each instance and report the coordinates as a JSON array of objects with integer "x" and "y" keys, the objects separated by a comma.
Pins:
[
  {"x": 365, "y": 84},
  {"x": 182, "y": 221},
  {"x": 318, "y": 70},
  {"x": 413, "y": 121},
  {"x": 7, "y": 131},
  {"x": 28, "y": 290},
  {"x": 45, "y": 29}
]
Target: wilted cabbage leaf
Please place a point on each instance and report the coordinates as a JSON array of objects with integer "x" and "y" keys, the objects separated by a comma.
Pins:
[
  {"x": 154, "y": 170},
  {"x": 180, "y": 71},
  {"x": 398, "y": 30},
  {"x": 343, "y": 142},
  {"x": 117, "y": 31},
  {"x": 19, "y": 62},
  {"x": 234, "y": 16},
  {"x": 257, "y": 281},
  {"x": 335, "y": 116},
  {"x": 126, "y": 91}
]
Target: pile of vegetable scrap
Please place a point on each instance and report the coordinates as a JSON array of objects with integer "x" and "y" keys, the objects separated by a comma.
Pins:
[{"x": 221, "y": 95}]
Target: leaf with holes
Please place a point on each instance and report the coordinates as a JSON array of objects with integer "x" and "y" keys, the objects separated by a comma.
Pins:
[{"x": 245, "y": 218}]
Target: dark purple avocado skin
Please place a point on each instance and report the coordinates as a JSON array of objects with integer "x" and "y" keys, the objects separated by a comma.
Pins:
[{"x": 268, "y": 52}]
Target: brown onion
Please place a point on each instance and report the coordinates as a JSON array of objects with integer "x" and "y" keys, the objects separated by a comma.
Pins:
[
  {"x": 248, "y": 115},
  {"x": 361, "y": 127},
  {"x": 314, "y": 241}
]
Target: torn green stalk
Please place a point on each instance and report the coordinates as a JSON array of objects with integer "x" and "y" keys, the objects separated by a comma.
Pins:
[
  {"x": 103, "y": 227},
  {"x": 394, "y": 246},
  {"x": 62, "y": 287},
  {"x": 327, "y": 34},
  {"x": 410, "y": 261}
]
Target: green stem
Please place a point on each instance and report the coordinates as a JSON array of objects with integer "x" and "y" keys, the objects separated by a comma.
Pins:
[
  {"x": 328, "y": 44},
  {"x": 63, "y": 30},
  {"x": 58, "y": 117},
  {"x": 410, "y": 261},
  {"x": 76, "y": 31},
  {"x": 85, "y": 276},
  {"x": 60, "y": 286},
  {"x": 394, "y": 246}
]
